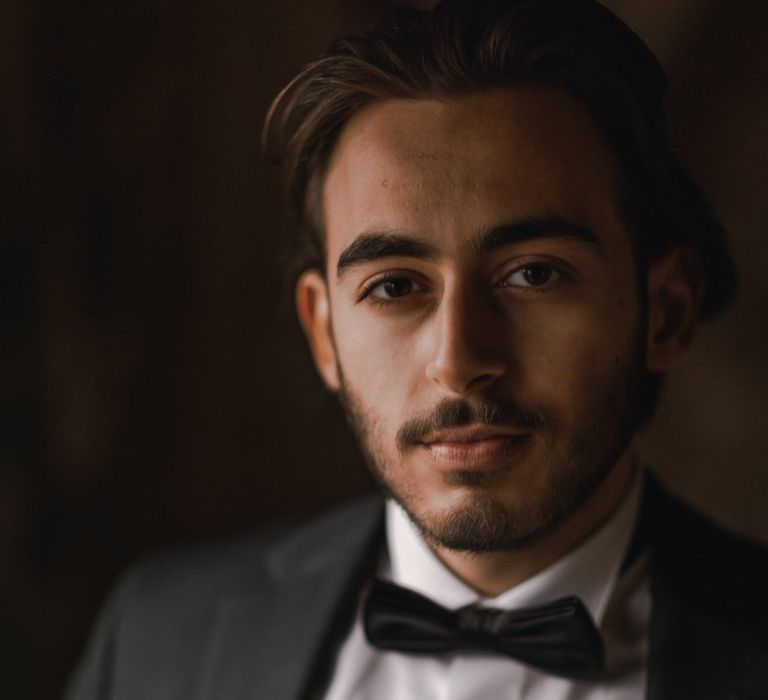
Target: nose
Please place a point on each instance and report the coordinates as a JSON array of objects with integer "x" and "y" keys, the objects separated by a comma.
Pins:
[{"x": 468, "y": 353}]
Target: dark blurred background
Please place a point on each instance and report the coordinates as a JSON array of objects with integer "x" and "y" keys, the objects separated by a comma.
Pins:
[{"x": 154, "y": 387}]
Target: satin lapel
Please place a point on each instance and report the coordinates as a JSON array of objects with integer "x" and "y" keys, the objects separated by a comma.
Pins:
[{"x": 267, "y": 644}]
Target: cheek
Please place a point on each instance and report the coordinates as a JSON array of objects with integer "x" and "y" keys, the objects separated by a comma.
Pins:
[
  {"x": 378, "y": 362},
  {"x": 564, "y": 354}
]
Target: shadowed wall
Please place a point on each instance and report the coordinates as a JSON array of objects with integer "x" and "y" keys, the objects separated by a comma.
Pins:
[{"x": 155, "y": 388}]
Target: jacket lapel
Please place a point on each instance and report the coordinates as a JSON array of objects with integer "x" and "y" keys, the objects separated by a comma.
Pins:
[
  {"x": 272, "y": 642},
  {"x": 696, "y": 648},
  {"x": 690, "y": 655}
]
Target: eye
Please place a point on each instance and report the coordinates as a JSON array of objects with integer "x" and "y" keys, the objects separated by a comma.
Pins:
[
  {"x": 390, "y": 288},
  {"x": 395, "y": 287},
  {"x": 536, "y": 275}
]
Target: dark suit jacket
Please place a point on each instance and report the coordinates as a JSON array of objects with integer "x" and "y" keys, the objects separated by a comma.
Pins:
[{"x": 262, "y": 618}]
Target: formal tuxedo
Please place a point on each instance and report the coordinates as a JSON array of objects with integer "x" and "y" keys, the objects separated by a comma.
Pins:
[{"x": 263, "y": 617}]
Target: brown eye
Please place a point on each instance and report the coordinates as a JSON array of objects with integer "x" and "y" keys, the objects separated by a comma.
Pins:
[
  {"x": 532, "y": 275},
  {"x": 393, "y": 288},
  {"x": 537, "y": 275}
]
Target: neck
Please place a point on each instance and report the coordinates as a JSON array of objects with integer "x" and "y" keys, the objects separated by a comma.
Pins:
[{"x": 492, "y": 573}]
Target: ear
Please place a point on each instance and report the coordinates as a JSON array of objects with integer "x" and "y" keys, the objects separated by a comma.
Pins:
[
  {"x": 314, "y": 311},
  {"x": 675, "y": 286}
]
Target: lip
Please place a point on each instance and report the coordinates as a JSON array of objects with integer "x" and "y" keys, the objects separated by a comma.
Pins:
[
  {"x": 475, "y": 448},
  {"x": 473, "y": 433}
]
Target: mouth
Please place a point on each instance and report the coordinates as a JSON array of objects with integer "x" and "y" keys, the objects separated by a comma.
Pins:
[{"x": 475, "y": 447}]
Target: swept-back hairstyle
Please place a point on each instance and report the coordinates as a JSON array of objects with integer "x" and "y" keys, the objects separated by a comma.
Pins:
[{"x": 465, "y": 46}]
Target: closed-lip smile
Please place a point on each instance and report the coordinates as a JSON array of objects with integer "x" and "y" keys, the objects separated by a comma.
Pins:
[{"x": 475, "y": 447}]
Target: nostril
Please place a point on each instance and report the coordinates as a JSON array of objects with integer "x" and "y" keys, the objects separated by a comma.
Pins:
[{"x": 483, "y": 380}]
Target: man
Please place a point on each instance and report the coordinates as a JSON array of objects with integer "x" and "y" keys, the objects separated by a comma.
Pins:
[{"x": 503, "y": 260}]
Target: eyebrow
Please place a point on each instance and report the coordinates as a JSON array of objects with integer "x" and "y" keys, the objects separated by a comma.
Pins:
[
  {"x": 550, "y": 227},
  {"x": 375, "y": 245}
]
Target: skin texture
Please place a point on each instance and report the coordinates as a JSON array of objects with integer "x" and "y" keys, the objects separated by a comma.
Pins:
[{"x": 491, "y": 379}]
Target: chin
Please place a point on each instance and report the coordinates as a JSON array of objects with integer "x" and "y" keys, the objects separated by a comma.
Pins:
[
  {"x": 479, "y": 522},
  {"x": 477, "y": 511}
]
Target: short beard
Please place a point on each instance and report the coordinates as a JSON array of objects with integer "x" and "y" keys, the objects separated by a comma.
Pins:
[{"x": 483, "y": 523}]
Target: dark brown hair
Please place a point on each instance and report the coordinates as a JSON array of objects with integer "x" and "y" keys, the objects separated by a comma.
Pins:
[{"x": 464, "y": 46}]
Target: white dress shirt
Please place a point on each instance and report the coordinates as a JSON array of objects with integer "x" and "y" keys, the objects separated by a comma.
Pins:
[{"x": 619, "y": 604}]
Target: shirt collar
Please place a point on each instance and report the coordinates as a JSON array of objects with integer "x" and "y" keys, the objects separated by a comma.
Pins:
[{"x": 589, "y": 571}]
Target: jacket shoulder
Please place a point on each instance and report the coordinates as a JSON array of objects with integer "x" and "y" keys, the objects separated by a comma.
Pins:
[
  {"x": 721, "y": 574},
  {"x": 165, "y": 607},
  {"x": 236, "y": 566},
  {"x": 683, "y": 532}
]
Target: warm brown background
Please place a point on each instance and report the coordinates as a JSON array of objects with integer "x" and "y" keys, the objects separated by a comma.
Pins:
[{"x": 154, "y": 387}]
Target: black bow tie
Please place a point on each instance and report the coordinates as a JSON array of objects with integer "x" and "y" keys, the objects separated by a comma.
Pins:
[{"x": 559, "y": 638}]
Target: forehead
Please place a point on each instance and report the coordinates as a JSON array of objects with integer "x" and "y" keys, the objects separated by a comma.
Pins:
[{"x": 443, "y": 169}]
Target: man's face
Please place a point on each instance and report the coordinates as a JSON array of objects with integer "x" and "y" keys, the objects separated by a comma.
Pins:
[{"x": 483, "y": 321}]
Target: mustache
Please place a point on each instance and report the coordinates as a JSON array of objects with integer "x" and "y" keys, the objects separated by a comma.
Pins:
[{"x": 454, "y": 413}]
